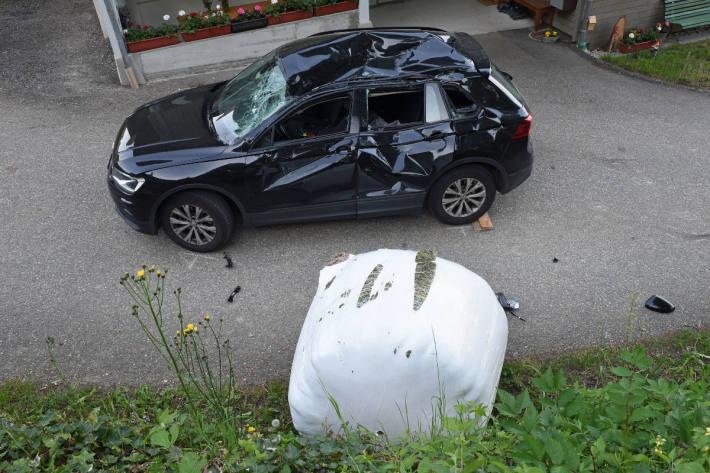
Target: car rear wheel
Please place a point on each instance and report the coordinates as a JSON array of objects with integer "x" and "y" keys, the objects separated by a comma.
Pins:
[
  {"x": 198, "y": 221},
  {"x": 462, "y": 195}
]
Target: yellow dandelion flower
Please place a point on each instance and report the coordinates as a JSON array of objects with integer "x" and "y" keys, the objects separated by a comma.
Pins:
[
  {"x": 158, "y": 273},
  {"x": 190, "y": 326},
  {"x": 207, "y": 317},
  {"x": 547, "y": 34},
  {"x": 251, "y": 429},
  {"x": 178, "y": 332},
  {"x": 140, "y": 273},
  {"x": 554, "y": 33},
  {"x": 707, "y": 430},
  {"x": 706, "y": 449}
]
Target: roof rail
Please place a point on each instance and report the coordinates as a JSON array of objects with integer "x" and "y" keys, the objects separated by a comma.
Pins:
[{"x": 383, "y": 28}]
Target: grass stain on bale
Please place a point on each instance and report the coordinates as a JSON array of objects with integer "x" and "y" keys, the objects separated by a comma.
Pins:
[
  {"x": 367, "y": 287},
  {"x": 409, "y": 353},
  {"x": 423, "y": 276},
  {"x": 388, "y": 285},
  {"x": 329, "y": 282}
]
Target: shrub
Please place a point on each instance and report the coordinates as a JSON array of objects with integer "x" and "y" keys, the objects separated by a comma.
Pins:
[
  {"x": 139, "y": 32},
  {"x": 276, "y": 9},
  {"x": 194, "y": 21},
  {"x": 244, "y": 14}
]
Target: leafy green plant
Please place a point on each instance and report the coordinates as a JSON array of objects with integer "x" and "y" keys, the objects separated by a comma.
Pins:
[
  {"x": 276, "y": 9},
  {"x": 137, "y": 32},
  {"x": 195, "y": 21},
  {"x": 244, "y": 14},
  {"x": 187, "y": 353},
  {"x": 639, "y": 35},
  {"x": 320, "y": 3}
]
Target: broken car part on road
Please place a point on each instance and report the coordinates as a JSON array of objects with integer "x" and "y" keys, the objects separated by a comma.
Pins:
[
  {"x": 234, "y": 293},
  {"x": 341, "y": 124},
  {"x": 659, "y": 304}
]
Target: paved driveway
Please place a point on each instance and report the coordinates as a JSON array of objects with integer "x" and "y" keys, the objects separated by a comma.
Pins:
[{"x": 619, "y": 195}]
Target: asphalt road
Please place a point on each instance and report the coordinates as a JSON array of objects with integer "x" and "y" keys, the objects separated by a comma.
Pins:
[{"x": 619, "y": 195}]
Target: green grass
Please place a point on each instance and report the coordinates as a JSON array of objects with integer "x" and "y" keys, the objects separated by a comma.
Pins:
[
  {"x": 687, "y": 64},
  {"x": 547, "y": 408}
]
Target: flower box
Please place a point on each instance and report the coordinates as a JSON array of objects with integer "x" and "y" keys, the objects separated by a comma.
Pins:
[
  {"x": 207, "y": 32},
  {"x": 152, "y": 43},
  {"x": 290, "y": 16},
  {"x": 336, "y": 8},
  {"x": 238, "y": 26},
  {"x": 624, "y": 48}
]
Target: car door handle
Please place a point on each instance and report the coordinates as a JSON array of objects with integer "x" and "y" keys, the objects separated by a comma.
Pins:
[{"x": 344, "y": 148}]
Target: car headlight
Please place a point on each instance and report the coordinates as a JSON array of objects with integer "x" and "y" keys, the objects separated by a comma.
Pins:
[{"x": 127, "y": 183}]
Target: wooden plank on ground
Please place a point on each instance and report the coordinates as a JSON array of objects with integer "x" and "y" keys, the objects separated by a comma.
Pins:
[{"x": 484, "y": 223}]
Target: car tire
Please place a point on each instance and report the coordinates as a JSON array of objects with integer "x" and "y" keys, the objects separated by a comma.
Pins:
[
  {"x": 198, "y": 221},
  {"x": 462, "y": 195}
]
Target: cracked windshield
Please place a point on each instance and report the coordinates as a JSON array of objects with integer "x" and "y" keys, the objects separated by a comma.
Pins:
[{"x": 249, "y": 99}]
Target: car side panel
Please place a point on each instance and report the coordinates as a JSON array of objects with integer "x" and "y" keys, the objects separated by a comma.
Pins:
[
  {"x": 395, "y": 168},
  {"x": 301, "y": 177}
]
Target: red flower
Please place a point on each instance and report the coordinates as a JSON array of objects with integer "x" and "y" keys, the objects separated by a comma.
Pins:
[
  {"x": 641, "y": 30},
  {"x": 130, "y": 23},
  {"x": 145, "y": 27},
  {"x": 193, "y": 14},
  {"x": 138, "y": 26}
]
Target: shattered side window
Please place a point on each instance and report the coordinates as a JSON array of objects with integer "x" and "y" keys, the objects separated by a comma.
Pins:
[
  {"x": 249, "y": 99},
  {"x": 394, "y": 107}
]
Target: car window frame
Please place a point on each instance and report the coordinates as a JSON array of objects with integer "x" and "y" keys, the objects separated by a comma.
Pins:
[
  {"x": 301, "y": 105},
  {"x": 442, "y": 96},
  {"x": 366, "y": 108},
  {"x": 452, "y": 109}
]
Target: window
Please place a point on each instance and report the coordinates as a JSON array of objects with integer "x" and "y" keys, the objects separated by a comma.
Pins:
[
  {"x": 327, "y": 117},
  {"x": 461, "y": 103},
  {"x": 249, "y": 99},
  {"x": 392, "y": 108}
]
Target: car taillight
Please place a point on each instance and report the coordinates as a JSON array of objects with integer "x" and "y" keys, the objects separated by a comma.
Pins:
[{"x": 523, "y": 130}]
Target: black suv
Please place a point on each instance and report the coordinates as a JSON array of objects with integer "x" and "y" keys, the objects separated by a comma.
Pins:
[{"x": 354, "y": 123}]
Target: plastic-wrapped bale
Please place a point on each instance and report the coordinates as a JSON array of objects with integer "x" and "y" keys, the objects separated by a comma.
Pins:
[{"x": 388, "y": 334}]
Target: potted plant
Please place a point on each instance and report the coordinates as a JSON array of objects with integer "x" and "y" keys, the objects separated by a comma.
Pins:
[
  {"x": 638, "y": 40},
  {"x": 326, "y": 7},
  {"x": 288, "y": 10},
  {"x": 200, "y": 26},
  {"x": 249, "y": 19},
  {"x": 143, "y": 37},
  {"x": 550, "y": 36}
]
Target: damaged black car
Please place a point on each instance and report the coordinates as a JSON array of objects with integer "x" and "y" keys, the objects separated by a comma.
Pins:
[{"x": 355, "y": 123}]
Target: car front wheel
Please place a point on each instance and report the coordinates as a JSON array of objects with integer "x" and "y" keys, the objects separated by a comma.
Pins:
[
  {"x": 462, "y": 195},
  {"x": 198, "y": 221}
]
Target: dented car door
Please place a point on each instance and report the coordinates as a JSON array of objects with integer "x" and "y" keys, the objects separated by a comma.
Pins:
[
  {"x": 399, "y": 154},
  {"x": 303, "y": 167}
]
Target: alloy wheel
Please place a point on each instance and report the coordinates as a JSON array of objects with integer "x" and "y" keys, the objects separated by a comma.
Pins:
[
  {"x": 193, "y": 224},
  {"x": 463, "y": 197}
]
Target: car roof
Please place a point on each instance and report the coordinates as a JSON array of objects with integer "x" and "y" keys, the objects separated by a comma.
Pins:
[{"x": 346, "y": 56}]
